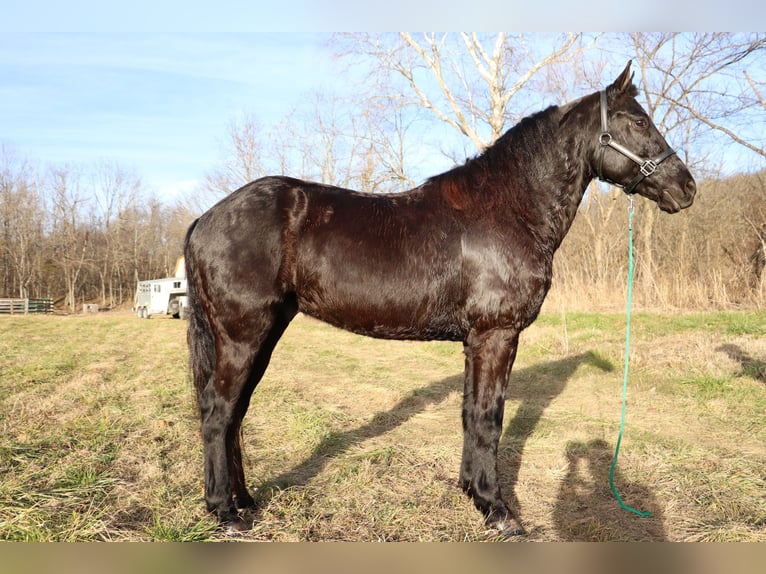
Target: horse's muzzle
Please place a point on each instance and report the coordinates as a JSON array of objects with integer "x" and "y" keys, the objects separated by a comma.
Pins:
[{"x": 674, "y": 200}]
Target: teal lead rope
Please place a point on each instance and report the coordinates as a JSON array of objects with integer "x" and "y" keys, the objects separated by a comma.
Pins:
[{"x": 625, "y": 371}]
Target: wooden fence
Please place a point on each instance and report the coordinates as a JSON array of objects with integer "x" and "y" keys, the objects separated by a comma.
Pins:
[{"x": 24, "y": 306}]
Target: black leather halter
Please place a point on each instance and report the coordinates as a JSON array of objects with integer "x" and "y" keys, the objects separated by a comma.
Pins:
[{"x": 646, "y": 166}]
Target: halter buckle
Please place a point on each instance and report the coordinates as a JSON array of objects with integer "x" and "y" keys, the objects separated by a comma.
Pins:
[
  {"x": 605, "y": 138},
  {"x": 648, "y": 167}
]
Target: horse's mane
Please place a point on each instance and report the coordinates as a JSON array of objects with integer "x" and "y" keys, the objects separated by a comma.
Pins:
[{"x": 527, "y": 143}]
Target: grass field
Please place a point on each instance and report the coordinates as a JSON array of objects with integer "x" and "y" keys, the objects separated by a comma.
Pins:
[{"x": 356, "y": 439}]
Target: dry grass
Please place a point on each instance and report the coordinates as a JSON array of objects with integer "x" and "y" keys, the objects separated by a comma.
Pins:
[{"x": 356, "y": 439}]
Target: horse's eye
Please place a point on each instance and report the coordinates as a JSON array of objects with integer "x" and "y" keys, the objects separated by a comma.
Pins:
[{"x": 640, "y": 123}]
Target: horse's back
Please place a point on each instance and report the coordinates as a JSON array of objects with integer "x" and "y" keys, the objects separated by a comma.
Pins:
[{"x": 384, "y": 265}]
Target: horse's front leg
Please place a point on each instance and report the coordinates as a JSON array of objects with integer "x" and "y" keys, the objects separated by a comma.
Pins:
[{"x": 489, "y": 356}]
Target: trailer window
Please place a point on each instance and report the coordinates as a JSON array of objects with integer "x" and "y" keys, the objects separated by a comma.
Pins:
[{"x": 176, "y": 284}]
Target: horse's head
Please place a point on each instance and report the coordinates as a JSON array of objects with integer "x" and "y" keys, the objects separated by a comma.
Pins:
[{"x": 631, "y": 152}]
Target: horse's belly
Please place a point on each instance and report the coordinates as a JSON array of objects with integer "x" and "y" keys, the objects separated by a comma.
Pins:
[{"x": 384, "y": 312}]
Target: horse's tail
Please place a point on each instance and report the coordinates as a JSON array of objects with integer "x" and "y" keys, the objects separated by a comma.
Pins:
[{"x": 199, "y": 335}]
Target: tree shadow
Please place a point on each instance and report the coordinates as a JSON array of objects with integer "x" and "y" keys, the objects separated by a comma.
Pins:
[
  {"x": 587, "y": 511},
  {"x": 535, "y": 387},
  {"x": 751, "y": 367}
]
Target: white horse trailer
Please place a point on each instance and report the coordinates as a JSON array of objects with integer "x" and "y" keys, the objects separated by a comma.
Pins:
[{"x": 165, "y": 296}]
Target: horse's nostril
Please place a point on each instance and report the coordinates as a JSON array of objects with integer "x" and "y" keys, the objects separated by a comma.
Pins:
[{"x": 691, "y": 188}]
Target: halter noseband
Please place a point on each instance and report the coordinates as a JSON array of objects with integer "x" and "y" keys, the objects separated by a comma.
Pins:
[{"x": 646, "y": 166}]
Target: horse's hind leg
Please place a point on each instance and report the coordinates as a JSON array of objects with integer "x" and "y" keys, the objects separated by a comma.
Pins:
[
  {"x": 242, "y": 498},
  {"x": 489, "y": 358},
  {"x": 282, "y": 318},
  {"x": 217, "y": 497},
  {"x": 218, "y": 404},
  {"x": 223, "y": 404}
]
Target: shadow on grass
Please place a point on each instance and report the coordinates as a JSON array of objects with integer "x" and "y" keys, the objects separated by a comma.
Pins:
[
  {"x": 586, "y": 510},
  {"x": 751, "y": 367},
  {"x": 338, "y": 442},
  {"x": 534, "y": 386}
]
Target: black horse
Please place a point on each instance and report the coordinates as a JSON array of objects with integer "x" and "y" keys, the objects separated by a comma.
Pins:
[{"x": 466, "y": 256}]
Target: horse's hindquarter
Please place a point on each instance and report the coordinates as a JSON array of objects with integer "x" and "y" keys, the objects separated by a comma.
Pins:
[{"x": 235, "y": 250}]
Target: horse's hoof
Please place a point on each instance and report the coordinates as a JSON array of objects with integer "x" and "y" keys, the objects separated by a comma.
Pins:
[
  {"x": 506, "y": 525},
  {"x": 234, "y": 526},
  {"x": 511, "y": 530},
  {"x": 231, "y": 523}
]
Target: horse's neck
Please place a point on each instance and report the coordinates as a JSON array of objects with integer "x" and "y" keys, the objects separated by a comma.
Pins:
[
  {"x": 548, "y": 205},
  {"x": 574, "y": 162},
  {"x": 563, "y": 208}
]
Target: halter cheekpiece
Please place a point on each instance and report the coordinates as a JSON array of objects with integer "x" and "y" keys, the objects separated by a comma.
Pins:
[{"x": 646, "y": 166}]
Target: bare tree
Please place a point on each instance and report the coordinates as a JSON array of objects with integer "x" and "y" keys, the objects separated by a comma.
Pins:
[
  {"x": 243, "y": 161},
  {"x": 362, "y": 150},
  {"x": 688, "y": 87},
  {"x": 389, "y": 138},
  {"x": 115, "y": 189},
  {"x": 355, "y": 143},
  {"x": 70, "y": 235},
  {"x": 21, "y": 220},
  {"x": 466, "y": 81}
]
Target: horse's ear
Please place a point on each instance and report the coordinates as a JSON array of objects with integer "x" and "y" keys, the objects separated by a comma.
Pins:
[{"x": 624, "y": 81}]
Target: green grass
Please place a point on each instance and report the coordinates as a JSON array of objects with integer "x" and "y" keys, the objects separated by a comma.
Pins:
[
  {"x": 721, "y": 323},
  {"x": 350, "y": 438}
]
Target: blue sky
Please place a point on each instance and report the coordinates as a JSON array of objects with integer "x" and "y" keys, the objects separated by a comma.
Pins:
[
  {"x": 153, "y": 85},
  {"x": 156, "y": 103}
]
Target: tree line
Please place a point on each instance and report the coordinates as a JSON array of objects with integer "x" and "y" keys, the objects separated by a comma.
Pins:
[
  {"x": 81, "y": 234},
  {"x": 425, "y": 103}
]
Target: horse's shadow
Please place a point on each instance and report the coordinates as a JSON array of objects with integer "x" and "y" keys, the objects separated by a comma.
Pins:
[
  {"x": 585, "y": 509},
  {"x": 336, "y": 443},
  {"x": 535, "y": 386}
]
